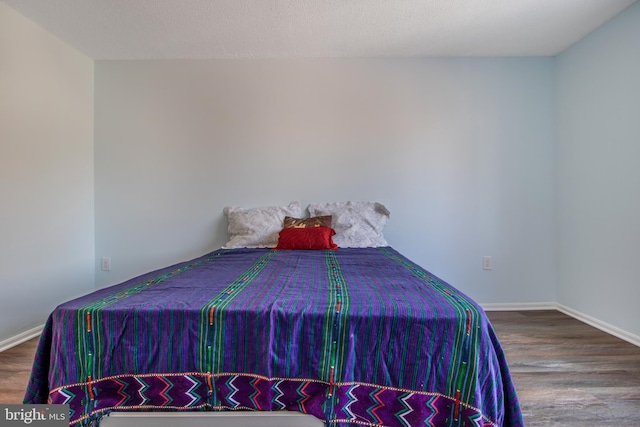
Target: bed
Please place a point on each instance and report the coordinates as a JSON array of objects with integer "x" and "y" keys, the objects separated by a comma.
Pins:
[
  {"x": 354, "y": 336},
  {"x": 284, "y": 319}
]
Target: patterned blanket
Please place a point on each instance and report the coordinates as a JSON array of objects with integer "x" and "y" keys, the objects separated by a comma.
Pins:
[{"x": 353, "y": 337}]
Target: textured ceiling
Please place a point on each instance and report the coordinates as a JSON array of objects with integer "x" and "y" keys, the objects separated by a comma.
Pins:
[{"x": 203, "y": 29}]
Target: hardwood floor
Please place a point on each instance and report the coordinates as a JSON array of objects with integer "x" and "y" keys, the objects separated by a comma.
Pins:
[
  {"x": 15, "y": 368},
  {"x": 567, "y": 373}
]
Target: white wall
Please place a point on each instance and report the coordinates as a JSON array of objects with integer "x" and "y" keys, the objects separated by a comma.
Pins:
[
  {"x": 46, "y": 173},
  {"x": 463, "y": 151},
  {"x": 598, "y": 109},
  {"x": 460, "y": 150}
]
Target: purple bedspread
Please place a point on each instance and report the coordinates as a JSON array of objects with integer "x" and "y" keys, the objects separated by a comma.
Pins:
[{"x": 353, "y": 337}]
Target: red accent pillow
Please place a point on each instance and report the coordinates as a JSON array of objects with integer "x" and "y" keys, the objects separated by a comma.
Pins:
[{"x": 307, "y": 238}]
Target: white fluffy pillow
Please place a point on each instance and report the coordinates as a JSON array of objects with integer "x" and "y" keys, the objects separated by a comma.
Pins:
[
  {"x": 357, "y": 224},
  {"x": 257, "y": 227}
]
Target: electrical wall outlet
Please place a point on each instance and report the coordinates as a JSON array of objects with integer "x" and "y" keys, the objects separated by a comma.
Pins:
[
  {"x": 105, "y": 263},
  {"x": 487, "y": 263}
]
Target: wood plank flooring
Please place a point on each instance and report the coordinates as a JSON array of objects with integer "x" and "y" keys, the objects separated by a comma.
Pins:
[
  {"x": 567, "y": 373},
  {"x": 15, "y": 368}
]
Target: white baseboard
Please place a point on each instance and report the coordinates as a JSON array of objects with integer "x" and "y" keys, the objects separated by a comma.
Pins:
[
  {"x": 519, "y": 306},
  {"x": 20, "y": 338},
  {"x": 599, "y": 324},
  {"x": 592, "y": 321}
]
